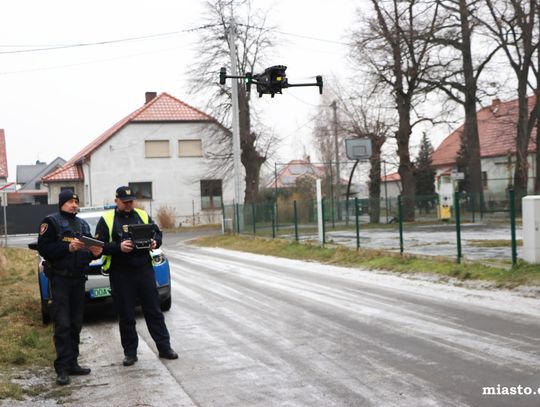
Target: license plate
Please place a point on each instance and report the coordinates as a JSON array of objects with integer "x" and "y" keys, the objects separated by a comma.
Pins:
[{"x": 100, "y": 292}]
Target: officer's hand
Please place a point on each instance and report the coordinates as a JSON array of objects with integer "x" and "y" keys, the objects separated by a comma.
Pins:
[
  {"x": 153, "y": 245},
  {"x": 96, "y": 250},
  {"x": 126, "y": 246},
  {"x": 75, "y": 245}
]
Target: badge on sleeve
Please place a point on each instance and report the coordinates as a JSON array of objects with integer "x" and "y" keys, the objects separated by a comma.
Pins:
[{"x": 43, "y": 228}]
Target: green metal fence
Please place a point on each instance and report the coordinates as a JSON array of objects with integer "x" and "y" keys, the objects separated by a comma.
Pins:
[{"x": 459, "y": 226}]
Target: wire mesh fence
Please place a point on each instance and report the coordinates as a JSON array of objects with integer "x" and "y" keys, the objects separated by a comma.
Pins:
[{"x": 461, "y": 226}]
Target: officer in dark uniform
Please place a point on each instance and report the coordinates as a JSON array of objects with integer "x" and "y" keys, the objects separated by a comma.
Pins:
[
  {"x": 132, "y": 276},
  {"x": 67, "y": 261}
]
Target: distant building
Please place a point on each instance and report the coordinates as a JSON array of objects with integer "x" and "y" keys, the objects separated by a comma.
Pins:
[
  {"x": 289, "y": 173},
  {"x": 390, "y": 185},
  {"x": 497, "y": 134},
  {"x": 30, "y": 187},
  {"x": 163, "y": 151}
]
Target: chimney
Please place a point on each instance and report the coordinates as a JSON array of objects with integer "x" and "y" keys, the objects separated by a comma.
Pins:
[
  {"x": 149, "y": 96},
  {"x": 495, "y": 103}
]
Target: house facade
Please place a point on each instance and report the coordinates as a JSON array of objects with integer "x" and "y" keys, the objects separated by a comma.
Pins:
[
  {"x": 497, "y": 126},
  {"x": 31, "y": 190},
  {"x": 162, "y": 151}
]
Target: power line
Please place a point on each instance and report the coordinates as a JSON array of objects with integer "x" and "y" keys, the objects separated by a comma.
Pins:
[
  {"x": 307, "y": 37},
  {"x": 87, "y": 44}
]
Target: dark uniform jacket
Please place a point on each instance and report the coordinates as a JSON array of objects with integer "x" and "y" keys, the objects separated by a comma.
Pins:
[
  {"x": 134, "y": 260},
  {"x": 55, "y": 234}
]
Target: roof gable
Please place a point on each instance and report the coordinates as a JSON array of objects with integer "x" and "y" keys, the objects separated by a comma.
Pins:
[
  {"x": 3, "y": 155},
  {"x": 163, "y": 108},
  {"x": 496, "y": 131},
  {"x": 38, "y": 171}
]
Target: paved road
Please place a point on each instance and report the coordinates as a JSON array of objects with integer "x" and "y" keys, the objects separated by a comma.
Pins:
[{"x": 260, "y": 331}]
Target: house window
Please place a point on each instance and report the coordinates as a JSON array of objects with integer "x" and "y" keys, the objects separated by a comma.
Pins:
[
  {"x": 189, "y": 148},
  {"x": 211, "y": 195},
  {"x": 69, "y": 187},
  {"x": 484, "y": 179},
  {"x": 156, "y": 148},
  {"x": 141, "y": 190},
  {"x": 37, "y": 185}
]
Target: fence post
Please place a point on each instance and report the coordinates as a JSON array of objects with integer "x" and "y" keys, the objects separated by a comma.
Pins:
[
  {"x": 295, "y": 221},
  {"x": 237, "y": 219},
  {"x": 400, "y": 216},
  {"x": 512, "y": 196},
  {"x": 276, "y": 216},
  {"x": 323, "y": 223},
  {"x": 253, "y": 217},
  {"x": 481, "y": 206},
  {"x": 357, "y": 223},
  {"x": 273, "y": 221},
  {"x": 458, "y": 226}
]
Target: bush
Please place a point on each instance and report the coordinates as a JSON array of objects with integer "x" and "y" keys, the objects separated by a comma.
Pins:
[{"x": 166, "y": 217}]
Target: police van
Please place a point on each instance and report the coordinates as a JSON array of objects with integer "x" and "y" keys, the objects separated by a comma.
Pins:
[{"x": 98, "y": 289}]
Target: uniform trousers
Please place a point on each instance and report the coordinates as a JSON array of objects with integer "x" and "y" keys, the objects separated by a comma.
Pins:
[
  {"x": 67, "y": 314},
  {"x": 128, "y": 286}
]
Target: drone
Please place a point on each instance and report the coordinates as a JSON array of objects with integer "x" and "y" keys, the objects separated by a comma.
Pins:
[{"x": 273, "y": 80}]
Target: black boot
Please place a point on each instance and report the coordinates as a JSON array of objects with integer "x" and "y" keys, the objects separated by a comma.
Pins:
[{"x": 63, "y": 378}]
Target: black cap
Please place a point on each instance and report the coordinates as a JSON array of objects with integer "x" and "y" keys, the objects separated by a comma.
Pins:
[
  {"x": 65, "y": 196},
  {"x": 125, "y": 194}
]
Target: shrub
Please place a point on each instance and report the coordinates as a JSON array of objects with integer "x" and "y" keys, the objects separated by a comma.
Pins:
[{"x": 166, "y": 217}]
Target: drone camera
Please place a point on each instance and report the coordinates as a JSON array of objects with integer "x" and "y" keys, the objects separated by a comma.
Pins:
[{"x": 272, "y": 80}]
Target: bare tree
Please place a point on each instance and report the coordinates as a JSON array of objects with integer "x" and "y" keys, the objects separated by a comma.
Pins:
[
  {"x": 363, "y": 115},
  {"x": 514, "y": 26},
  {"x": 253, "y": 42},
  {"x": 459, "y": 76},
  {"x": 396, "y": 48}
]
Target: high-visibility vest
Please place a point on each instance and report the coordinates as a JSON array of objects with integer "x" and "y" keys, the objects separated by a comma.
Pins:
[{"x": 108, "y": 217}]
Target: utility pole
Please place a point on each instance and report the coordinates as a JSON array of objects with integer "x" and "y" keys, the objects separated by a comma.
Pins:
[
  {"x": 235, "y": 115},
  {"x": 333, "y": 105}
]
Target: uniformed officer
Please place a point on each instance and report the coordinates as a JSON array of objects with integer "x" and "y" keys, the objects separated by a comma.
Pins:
[
  {"x": 67, "y": 261},
  {"x": 132, "y": 276}
]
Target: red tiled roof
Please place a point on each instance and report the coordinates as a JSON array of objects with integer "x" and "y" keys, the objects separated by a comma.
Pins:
[
  {"x": 393, "y": 177},
  {"x": 496, "y": 131},
  {"x": 71, "y": 172},
  {"x": 3, "y": 155},
  {"x": 162, "y": 108}
]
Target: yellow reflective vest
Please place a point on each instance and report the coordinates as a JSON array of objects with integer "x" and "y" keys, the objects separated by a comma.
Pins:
[{"x": 108, "y": 217}]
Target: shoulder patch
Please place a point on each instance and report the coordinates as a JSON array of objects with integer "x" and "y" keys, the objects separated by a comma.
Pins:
[{"x": 43, "y": 228}]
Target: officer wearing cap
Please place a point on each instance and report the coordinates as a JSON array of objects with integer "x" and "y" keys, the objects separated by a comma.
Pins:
[
  {"x": 66, "y": 262},
  {"x": 132, "y": 276}
]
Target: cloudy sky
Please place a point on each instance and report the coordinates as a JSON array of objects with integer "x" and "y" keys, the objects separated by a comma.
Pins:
[{"x": 54, "y": 102}]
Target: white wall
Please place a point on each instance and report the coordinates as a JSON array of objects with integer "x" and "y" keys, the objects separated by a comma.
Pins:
[{"x": 175, "y": 180}]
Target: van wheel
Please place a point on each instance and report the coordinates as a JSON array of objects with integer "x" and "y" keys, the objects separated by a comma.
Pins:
[{"x": 166, "y": 305}]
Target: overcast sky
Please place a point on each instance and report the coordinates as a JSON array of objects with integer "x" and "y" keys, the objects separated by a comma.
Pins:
[{"x": 53, "y": 103}]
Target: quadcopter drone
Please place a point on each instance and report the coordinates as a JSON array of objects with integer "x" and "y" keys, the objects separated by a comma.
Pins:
[{"x": 270, "y": 82}]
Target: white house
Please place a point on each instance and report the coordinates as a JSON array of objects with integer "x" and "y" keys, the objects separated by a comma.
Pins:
[
  {"x": 161, "y": 151},
  {"x": 496, "y": 131}
]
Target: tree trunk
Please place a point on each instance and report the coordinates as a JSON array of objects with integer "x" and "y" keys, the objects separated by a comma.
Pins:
[
  {"x": 522, "y": 144},
  {"x": 375, "y": 180},
  {"x": 251, "y": 159},
  {"x": 471, "y": 125},
  {"x": 405, "y": 169}
]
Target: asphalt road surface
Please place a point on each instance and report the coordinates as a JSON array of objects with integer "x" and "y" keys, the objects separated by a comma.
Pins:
[{"x": 261, "y": 331}]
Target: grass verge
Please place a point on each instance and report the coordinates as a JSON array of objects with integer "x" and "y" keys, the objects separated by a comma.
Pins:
[
  {"x": 24, "y": 343},
  {"x": 522, "y": 274}
]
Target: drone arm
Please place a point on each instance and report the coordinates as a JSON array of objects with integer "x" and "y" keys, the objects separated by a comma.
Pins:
[{"x": 319, "y": 83}]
